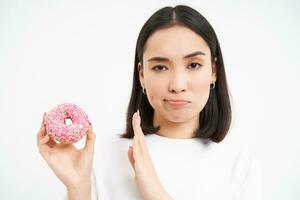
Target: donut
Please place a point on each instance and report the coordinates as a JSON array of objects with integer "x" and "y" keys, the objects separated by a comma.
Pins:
[{"x": 57, "y": 126}]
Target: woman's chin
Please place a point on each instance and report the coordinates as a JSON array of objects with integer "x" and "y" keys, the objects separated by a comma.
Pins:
[{"x": 177, "y": 118}]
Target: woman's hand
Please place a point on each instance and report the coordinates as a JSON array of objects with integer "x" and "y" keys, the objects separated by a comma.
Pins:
[
  {"x": 72, "y": 166},
  {"x": 146, "y": 178}
]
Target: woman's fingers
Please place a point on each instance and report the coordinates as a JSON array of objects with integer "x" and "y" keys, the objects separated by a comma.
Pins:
[
  {"x": 42, "y": 132},
  {"x": 130, "y": 157},
  {"x": 43, "y": 121},
  {"x": 136, "y": 144},
  {"x": 139, "y": 151},
  {"x": 90, "y": 139},
  {"x": 141, "y": 134},
  {"x": 44, "y": 141},
  {"x": 138, "y": 133}
]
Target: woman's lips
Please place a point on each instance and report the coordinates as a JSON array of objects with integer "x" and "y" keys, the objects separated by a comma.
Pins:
[{"x": 177, "y": 102}]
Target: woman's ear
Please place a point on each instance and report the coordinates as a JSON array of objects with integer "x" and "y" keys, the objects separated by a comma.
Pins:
[{"x": 141, "y": 74}]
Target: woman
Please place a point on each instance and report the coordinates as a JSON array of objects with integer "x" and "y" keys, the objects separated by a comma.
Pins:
[{"x": 174, "y": 142}]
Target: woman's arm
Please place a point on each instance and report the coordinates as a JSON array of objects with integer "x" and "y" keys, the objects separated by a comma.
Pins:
[
  {"x": 81, "y": 193},
  {"x": 86, "y": 191}
]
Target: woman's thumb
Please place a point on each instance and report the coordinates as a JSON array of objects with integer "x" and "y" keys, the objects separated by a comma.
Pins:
[{"x": 90, "y": 139}]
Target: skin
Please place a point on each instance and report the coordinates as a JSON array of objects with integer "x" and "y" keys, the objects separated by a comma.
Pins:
[{"x": 177, "y": 79}]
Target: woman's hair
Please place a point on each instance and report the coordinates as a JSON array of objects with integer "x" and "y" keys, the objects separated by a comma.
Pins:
[{"x": 215, "y": 117}]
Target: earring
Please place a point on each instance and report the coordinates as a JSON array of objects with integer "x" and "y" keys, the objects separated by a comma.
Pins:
[
  {"x": 213, "y": 85},
  {"x": 144, "y": 91}
]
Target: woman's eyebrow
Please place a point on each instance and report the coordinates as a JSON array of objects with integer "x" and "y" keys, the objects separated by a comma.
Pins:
[{"x": 157, "y": 58}]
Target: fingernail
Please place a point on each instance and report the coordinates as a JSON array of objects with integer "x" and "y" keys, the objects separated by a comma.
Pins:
[{"x": 138, "y": 112}]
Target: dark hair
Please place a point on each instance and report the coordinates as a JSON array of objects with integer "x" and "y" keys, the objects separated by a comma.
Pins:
[{"x": 215, "y": 117}]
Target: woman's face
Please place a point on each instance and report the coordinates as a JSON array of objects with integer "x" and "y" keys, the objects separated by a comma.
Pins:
[{"x": 176, "y": 65}]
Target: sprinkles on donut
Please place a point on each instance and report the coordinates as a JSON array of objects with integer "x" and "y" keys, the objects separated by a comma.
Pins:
[{"x": 67, "y": 123}]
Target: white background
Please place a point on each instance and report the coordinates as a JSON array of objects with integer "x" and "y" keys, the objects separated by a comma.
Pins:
[{"x": 83, "y": 52}]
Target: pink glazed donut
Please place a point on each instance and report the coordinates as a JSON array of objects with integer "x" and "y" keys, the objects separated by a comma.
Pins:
[{"x": 57, "y": 128}]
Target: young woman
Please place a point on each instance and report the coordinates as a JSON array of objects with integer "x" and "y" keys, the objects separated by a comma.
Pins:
[{"x": 173, "y": 147}]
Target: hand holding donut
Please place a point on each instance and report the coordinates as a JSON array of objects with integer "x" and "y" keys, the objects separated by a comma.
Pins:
[
  {"x": 72, "y": 166},
  {"x": 146, "y": 178}
]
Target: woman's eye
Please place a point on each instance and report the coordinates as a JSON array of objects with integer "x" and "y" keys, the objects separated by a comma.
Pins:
[
  {"x": 158, "y": 67},
  {"x": 194, "y": 65}
]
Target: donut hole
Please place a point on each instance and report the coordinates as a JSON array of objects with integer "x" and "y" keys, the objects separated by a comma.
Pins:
[{"x": 68, "y": 121}]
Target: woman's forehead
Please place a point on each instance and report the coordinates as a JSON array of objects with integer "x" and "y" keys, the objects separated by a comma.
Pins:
[{"x": 176, "y": 41}]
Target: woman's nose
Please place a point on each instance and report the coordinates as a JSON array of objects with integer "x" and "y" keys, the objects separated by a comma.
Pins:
[{"x": 178, "y": 82}]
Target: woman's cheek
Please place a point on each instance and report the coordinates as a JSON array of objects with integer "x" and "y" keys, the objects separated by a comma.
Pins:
[
  {"x": 153, "y": 98},
  {"x": 201, "y": 93},
  {"x": 155, "y": 93}
]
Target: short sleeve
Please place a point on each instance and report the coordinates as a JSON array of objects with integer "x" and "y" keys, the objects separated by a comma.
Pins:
[{"x": 251, "y": 184}]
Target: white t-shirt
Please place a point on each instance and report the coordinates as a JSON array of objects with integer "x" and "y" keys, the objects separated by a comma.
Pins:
[{"x": 189, "y": 169}]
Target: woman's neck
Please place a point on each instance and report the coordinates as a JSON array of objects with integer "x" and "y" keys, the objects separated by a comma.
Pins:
[{"x": 178, "y": 130}]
